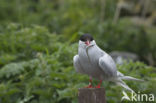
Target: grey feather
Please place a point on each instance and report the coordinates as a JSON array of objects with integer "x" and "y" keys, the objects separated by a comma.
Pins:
[
  {"x": 123, "y": 77},
  {"x": 108, "y": 65},
  {"x": 77, "y": 65},
  {"x": 124, "y": 85},
  {"x": 131, "y": 78}
]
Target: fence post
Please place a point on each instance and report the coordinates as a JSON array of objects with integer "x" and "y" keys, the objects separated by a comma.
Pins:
[{"x": 91, "y": 95}]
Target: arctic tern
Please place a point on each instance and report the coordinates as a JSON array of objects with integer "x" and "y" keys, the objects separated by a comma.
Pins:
[{"x": 96, "y": 63}]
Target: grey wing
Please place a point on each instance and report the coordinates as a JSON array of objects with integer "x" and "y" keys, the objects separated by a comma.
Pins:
[
  {"x": 108, "y": 65},
  {"x": 77, "y": 64}
]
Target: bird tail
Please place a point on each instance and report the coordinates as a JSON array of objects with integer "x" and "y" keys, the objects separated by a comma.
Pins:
[
  {"x": 130, "y": 78},
  {"x": 124, "y": 85},
  {"x": 122, "y": 77}
]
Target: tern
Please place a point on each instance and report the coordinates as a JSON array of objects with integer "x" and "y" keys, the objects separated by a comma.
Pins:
[{"x": 96, "y": 63}]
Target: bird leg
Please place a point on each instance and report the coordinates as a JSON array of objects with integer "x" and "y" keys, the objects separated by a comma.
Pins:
[
  {"x": 90, "y": 83},
  {"x": 99, "y": 85}
]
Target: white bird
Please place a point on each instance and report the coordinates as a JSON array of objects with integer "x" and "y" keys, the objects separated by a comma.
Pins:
[{"x": 96, "y": 63}]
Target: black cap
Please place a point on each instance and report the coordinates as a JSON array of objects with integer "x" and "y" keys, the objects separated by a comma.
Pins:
[{"x": 86, "y": 37}]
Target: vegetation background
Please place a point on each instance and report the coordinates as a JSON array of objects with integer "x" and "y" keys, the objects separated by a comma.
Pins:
[{"x": 38, "y": 39}]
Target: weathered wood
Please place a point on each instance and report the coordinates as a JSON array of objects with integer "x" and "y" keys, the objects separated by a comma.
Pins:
[{"x": 91, "y": 95}]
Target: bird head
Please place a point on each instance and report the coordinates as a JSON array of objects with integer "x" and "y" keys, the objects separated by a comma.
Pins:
[{"x": 86, "y": 40}]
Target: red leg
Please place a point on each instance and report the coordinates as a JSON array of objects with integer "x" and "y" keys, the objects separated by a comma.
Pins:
[
  {"x": 99, "y": 85},
  {"x": 90, "y": 83}
]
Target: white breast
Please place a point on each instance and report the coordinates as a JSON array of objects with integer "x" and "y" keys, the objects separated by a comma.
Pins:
[{"x": 89, "y": 61}]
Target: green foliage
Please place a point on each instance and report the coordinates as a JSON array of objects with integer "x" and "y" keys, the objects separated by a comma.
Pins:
[{"x": 18, "y": 43}]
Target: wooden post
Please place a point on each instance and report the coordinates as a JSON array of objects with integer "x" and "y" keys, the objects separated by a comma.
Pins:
[{"x": 91, "y": 95}]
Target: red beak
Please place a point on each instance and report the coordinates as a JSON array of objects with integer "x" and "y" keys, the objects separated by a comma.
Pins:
[{"x": 87, "y": 42}]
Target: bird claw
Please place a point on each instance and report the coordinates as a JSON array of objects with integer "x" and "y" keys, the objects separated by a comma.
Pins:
[
  {"x": 98, "y": 86},
  {"x": 89, "y": 86}
]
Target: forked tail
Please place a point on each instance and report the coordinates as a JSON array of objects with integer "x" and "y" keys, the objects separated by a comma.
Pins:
[
  {"x": 130, "y": 78},
  {"x": 121, "y": 77},
  {"x": 124, "y": 85}
]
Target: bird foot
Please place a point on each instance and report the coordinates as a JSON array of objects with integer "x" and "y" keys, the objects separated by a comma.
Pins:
[
  {"x": 89, "y": 86},
  {"x": 98, "y": 86}
]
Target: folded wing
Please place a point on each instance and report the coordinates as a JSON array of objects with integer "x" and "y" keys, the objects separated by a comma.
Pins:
[
  {"x": 77, "y": 64},
  {"x": 108, "y": 65}
]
